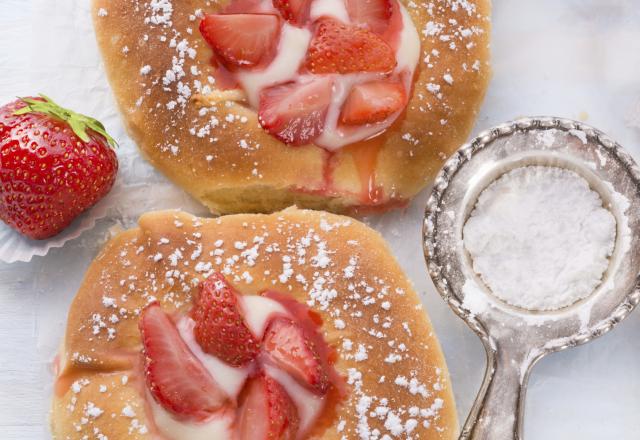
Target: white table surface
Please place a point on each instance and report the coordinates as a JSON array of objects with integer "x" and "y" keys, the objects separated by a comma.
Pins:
[{"x": 572, "y": 58}]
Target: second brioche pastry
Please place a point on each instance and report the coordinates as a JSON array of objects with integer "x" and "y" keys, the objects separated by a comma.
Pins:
[{"x": 296, "y": 325}]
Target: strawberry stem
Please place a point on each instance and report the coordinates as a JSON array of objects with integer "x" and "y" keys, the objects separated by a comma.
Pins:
[{"x": 79, "y": 123}]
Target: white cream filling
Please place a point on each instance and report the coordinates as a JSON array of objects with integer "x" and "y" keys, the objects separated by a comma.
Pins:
[
  {"x": 334, "y": 137},
  {"x": 219, "y": 427},
  {"x": 408, "y": 53},
  {"x": 292, "y": 50},
  {"x": 257, "y": 312}
]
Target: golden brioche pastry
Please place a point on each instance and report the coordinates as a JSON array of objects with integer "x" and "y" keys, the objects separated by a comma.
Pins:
[
  {"x": 390, "y": 377},
  {"x": 209, "y": 127}
]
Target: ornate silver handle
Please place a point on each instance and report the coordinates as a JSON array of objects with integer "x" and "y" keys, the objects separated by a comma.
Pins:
[{"x": 497, "y": 412}]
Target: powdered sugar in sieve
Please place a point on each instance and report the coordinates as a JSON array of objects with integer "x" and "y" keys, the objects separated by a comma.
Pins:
[{"x": 540, "y": 238}]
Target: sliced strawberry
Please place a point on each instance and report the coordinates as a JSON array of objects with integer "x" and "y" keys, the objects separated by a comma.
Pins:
[
  {"x": 340, "y": 48},
  {"x": 372, "y": 102},
  {"x": 175, "y": 377},
  {"x": 374, "y": 15},
  {"x": 220, "y": 329},
  {"x": 243, "y": 40},
  {"x": 294, "y": 11},
  {"x": 267, "y": 412},
  {"x": 295, "y": 112},
  {"x": 293, "y": 351}
]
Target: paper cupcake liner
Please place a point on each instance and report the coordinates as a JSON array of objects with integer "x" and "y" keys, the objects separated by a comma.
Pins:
[
  {"x": 16, "y": 247},
  {"x": 123, "y": 205}
]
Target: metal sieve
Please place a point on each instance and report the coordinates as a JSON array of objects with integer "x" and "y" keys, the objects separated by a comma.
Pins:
[{"x": 515, "y": 338}]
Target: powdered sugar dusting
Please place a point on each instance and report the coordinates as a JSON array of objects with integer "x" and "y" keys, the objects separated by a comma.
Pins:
[{"x": 540, "y": 238}]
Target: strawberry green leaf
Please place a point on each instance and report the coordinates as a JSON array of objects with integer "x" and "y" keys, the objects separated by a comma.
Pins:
[{"x": 79, "y": 123}]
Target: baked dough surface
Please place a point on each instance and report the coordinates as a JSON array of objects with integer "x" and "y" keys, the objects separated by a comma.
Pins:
[
  {"x": 210, "y": 143},
  {"x": 345, "y": 271}
]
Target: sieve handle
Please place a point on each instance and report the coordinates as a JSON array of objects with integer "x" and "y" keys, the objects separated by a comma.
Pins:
[{"x": 497, "y": 412}]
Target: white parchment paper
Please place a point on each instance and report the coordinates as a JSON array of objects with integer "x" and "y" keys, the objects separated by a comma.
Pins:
[{"x": 572, "y": 58}]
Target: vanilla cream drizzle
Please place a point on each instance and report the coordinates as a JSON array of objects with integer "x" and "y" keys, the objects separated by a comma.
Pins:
[
  {"x": 292, "y": 50},
  {"x": 257, "y": 312}
]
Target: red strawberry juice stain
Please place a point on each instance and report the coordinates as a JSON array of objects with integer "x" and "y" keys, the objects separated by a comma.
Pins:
[
  {"x": 225, "y": 80},
  {"x": 365, "y": 156},
  {"x": 65, "y": 380}
]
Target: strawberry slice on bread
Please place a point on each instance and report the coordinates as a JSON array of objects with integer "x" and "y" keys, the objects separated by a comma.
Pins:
[
  {"x": 242, "y": 40},
  {"x": 220, "y": 328},
  {"x": 175, "y": 377},
  {"x": 267, "y": 411},
  {"x": 340, "y": 48},
  {"x": 374, "y": 15},
  {"x": 291, "y": 349},
  {"x": 294, "y": 11},
  {"x": 295, "y": 112},
  {"x": 373, "y": 102}
]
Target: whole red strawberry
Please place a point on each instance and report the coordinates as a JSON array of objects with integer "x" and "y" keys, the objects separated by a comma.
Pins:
[{"x": 54, "y": 164}]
